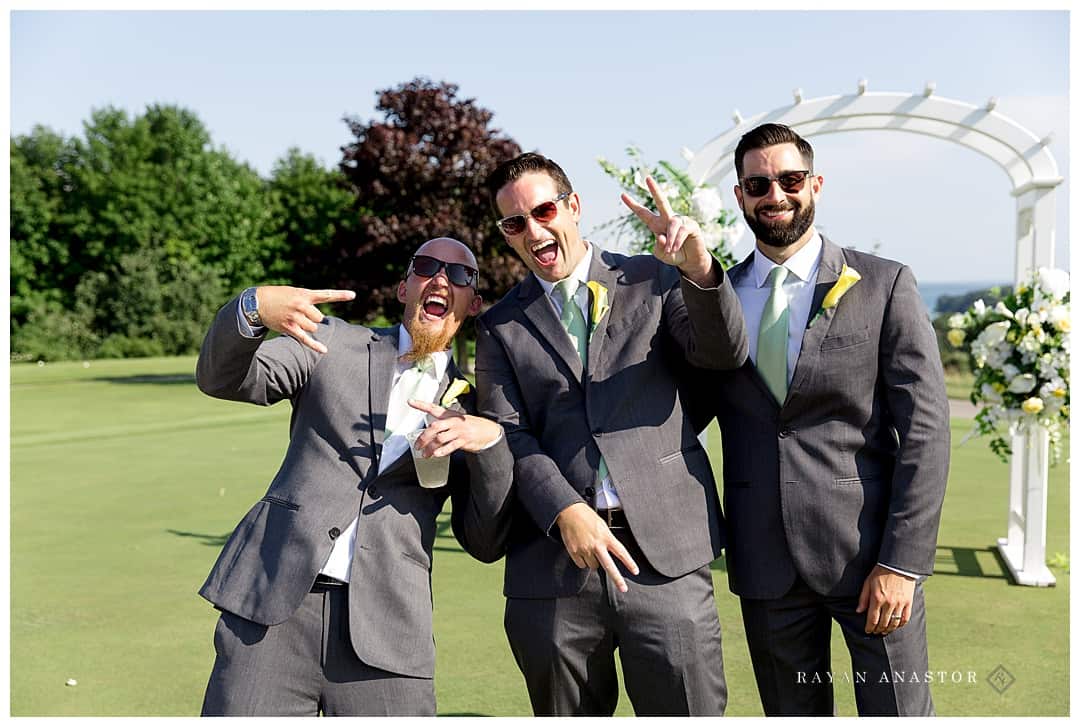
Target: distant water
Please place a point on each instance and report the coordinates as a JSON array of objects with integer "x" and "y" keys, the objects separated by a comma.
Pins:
[{"x": 931, "y": 291}]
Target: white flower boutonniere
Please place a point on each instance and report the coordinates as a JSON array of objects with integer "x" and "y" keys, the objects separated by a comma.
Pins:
[
  {"x": 457, "y": 388},
  {"x": 600, "y": 305},
  {"x": 848, "y": 278}
]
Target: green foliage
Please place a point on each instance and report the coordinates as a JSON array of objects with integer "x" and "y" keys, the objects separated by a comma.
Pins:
[
  {"x": 702, "y": 202},
  {"x": 143, "y": 201},
  {"x": 312, "y": 207},
  {"x": 953, "y": 359}
]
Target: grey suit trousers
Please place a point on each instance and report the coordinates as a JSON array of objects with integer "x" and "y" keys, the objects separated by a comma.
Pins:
[
  {"x": 304, "y": 667},
  {"x": 790, "y": 638},
  {"x": 666, "y": 631}
]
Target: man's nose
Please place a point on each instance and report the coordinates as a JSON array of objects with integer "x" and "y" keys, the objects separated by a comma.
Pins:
[
  {"x": 533, "y": 229},
  {"x": 775, "y": 193}
]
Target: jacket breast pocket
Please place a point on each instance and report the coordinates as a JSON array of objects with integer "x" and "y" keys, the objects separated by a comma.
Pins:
[
  {"x": 280, "y": 502},
  {"x": 845, "y": 340}
]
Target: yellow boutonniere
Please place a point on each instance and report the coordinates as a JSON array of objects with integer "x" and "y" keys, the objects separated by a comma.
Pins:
[
  {"x": 457, "y": 388},
  {"x": 600, "y": 305},
  {"x": 848, "y": 278}
]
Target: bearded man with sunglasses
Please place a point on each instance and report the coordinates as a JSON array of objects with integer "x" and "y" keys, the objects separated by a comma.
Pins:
[
  {"x": 325, "y": 585},
  {"x": 836, "y": 450},
  {"x": 617, "y": 515}
]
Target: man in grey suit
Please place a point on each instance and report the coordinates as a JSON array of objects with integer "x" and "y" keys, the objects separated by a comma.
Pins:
[
  {"x": 617, "y": 515},
  {"x": 836, "y": 450},
  {"x": 325, "y": 585}
]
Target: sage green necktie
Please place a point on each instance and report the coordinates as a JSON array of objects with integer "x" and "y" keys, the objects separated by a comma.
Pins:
[
  {"x": 406, "y": 387},
  {"x": 772, "y": 343},
  {"x": 574, "y": 323}
]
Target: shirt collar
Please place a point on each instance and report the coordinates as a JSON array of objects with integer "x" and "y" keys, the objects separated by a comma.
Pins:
[
  {"x": 440, "y": 358},
  {"x": 802, "y": 264},
  {"x": 580, "y": 273}
]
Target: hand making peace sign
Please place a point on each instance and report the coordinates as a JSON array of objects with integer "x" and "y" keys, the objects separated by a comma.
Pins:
[{"x": 679, "y": 240}]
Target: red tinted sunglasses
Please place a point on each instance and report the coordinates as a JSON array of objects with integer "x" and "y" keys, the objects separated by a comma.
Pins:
[{"x": 542, "y": 213}]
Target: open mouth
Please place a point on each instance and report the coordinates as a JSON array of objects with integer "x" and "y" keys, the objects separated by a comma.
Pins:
[
  {"x": 546, "y": 252},
  {"x": 435, "y": 306}
]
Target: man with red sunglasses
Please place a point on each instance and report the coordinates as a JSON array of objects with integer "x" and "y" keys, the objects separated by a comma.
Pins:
[
  {"x": 617, "y": 516},
  {"x": 324, "y": 587},
  {"x": 836, "y": 450}
]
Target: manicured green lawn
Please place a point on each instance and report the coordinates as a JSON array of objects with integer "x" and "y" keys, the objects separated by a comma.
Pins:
[{"x": 125, "y": 481}]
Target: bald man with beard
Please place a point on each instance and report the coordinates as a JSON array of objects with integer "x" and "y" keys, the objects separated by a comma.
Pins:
[{"x": 324, "y": 587}]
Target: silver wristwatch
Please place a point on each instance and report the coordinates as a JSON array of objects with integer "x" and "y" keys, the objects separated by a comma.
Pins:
[{"x": 249, "y": 306}]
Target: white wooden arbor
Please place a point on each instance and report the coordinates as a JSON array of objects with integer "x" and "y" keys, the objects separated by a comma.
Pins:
[{"x": 1033, "y": 172}]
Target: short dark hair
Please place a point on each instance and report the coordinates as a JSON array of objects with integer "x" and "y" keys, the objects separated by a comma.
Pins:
[
  {"x": 519, "y": 166},
  {"x": 768, "y": 135}
]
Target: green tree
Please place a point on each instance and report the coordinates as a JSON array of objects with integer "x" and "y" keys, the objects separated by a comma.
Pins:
[
  {"x": 89, "y": 214},
  {"x": 312, "y": 207}
]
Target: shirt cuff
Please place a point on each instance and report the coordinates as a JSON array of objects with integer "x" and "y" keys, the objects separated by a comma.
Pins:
[
  {"x": 493, "y": 442},
  {"x": 916, "y": 576},
  {"x": 246, "y": 329}
]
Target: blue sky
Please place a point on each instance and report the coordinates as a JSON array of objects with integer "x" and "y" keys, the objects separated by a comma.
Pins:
[{"x": 577, "y": 85}]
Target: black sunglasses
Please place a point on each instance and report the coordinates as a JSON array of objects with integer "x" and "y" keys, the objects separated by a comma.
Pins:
[
  {"x": 789, "y": 182},
  {"x": 542, "y": 213},
  {"x": 460, "y": 275}
]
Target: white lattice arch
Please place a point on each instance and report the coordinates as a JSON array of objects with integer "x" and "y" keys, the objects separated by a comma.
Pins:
[
  {"x": 1024, "y": 157},
  {"x": 1031, "y": 168}
]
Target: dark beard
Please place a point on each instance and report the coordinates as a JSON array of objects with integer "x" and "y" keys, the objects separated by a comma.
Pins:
[{"x": 783, "y": 234}]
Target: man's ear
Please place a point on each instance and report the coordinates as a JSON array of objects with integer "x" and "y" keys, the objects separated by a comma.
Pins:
[
  {"x": 401, "y": 292},
  {"x": 738, "y": 197},
  {"x": 476, "y": 304}
]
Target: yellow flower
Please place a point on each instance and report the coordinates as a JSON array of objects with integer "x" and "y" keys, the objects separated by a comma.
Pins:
[
  {"x": 1060, "y": 393},
  {"x": 848, "y": 278},
  {"x": 998, "y": 386},
  {"x": 956, "y": 337},
  {"x": 600, "y": 305},
  {"x": 1034, "y": 405},
  {"x": 1063, "y": 325},
  {"x": 457, "y": 388}
]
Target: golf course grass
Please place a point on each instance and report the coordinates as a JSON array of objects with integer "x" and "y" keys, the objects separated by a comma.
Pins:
[{"x": 126, "y": 480}]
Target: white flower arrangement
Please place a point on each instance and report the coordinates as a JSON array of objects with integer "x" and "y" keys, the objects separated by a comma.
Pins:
[
  {"x": 1020, "y": 355},
  {"x": 720, "y": 226}
]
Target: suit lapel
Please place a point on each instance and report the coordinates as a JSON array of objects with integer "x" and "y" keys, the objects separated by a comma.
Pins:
[
  {"x": 382, "y": 362},
  {"x": 541, "y": 312},
  {"x": 603, "y": 272},
  {"x": 832, "y": 260}
]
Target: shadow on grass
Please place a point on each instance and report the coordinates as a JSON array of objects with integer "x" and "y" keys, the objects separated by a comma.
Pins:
[
  {"x": 955, "y": 561},
  {"x": 215, "y": 540},
  {"x": 149, "y": 379}
]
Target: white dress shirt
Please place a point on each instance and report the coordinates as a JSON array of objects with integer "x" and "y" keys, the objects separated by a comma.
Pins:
[{"x": 606, "y": 497}]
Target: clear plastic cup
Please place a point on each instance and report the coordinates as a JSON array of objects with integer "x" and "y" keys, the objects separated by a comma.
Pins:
[{"x": 430, "y": 471}]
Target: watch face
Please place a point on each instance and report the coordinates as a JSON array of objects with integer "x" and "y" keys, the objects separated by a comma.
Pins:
[{"x": 250, "y": 305}]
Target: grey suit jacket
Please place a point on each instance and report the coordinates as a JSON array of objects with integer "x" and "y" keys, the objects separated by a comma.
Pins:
[
  {"x": 330, "y": 475},
  {"x": 851, "y": 470},
  {"x": 559, "y": 416}
]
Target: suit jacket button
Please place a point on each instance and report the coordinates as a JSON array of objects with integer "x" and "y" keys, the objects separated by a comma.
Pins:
[
  {"x": 589, "y": 491},
  {"x": 334, "y": 532},
  {"x": 373, "y": 491}
]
